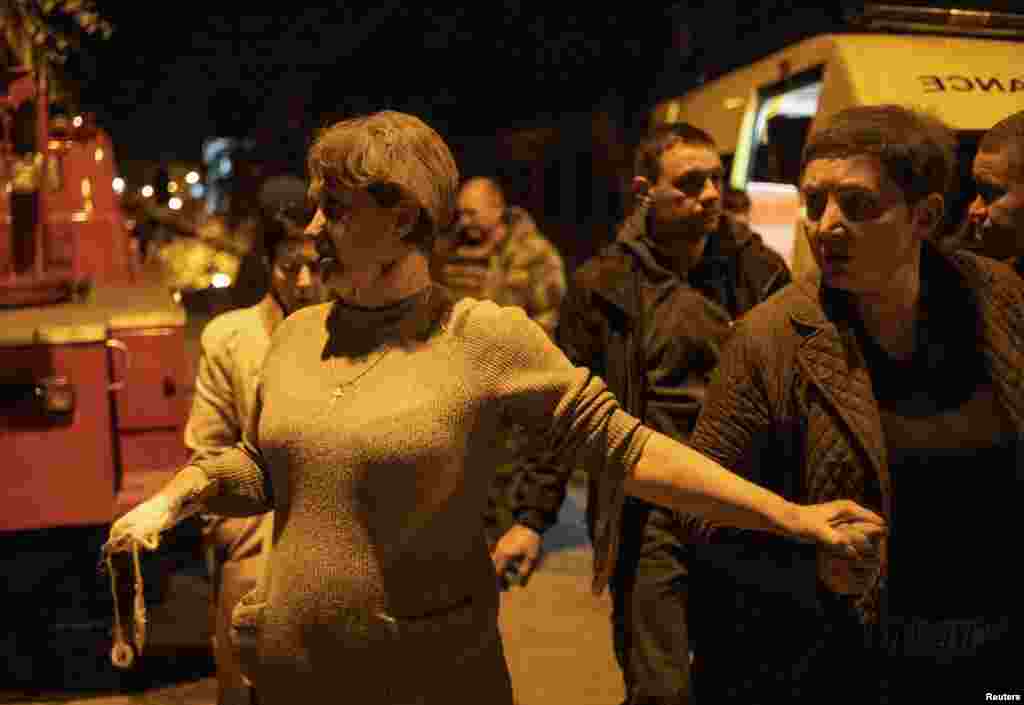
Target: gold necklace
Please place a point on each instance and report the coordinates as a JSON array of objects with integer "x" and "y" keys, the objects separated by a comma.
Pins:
[{"x": 341, "y": 388}]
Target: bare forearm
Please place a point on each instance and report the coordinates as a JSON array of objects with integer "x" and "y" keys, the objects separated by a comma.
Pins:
[{"x": 676, "y": 476}]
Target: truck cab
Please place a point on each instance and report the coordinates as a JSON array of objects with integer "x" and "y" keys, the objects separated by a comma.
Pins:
[{"x": 94, "y": 375}]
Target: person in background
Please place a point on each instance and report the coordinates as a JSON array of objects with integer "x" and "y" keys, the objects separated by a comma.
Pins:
[
  {"x": 650, "y": 314},
  {"x": 233, "y": 346},
  {"x": 372, "y": 439},
  {"x": 996, "y": 216},
  {"x": 497, "y": 253},
  {"x": 894, "y": 379},
  {"x": 738, "y": 203}
]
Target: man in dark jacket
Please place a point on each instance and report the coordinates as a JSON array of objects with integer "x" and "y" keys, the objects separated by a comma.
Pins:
[
  {"x": 894, "y": 378},
  {"x": 650, "y": 314},
  {"x": 996, "y": 215}
]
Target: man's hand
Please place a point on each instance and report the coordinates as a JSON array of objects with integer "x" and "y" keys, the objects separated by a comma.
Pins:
[
  {"x": 520, "y": 543},
  {"x": 847, "y": 577}
]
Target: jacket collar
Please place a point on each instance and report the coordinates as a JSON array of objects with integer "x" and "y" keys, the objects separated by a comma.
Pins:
[
  {"x": 830, "y": 356},
  {"x": 618, "y": 287}
]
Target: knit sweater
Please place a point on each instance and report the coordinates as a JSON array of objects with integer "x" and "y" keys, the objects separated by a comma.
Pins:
[{"x": 376, "y": 450}]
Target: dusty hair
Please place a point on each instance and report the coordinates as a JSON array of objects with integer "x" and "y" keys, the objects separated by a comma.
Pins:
[
  {"x": 1008, "y": 133},
  {"x": 662, "y": 138},
  {"x": 395, "y": 157},
  {"x": 917, "y": 151}
]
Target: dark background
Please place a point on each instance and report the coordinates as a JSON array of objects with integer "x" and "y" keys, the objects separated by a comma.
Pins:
[{"x": 174, "y": 74}]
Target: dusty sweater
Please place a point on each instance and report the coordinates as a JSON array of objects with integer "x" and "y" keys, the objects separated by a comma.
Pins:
[{"x": 377, "y": 457}]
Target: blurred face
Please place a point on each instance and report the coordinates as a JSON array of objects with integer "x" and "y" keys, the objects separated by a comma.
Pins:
[
  {"x": 997, "y": 214},
  {"x": 687, "y": 197},
  {"x": 860, "y": 228},
  {"x": 295, "y": 274},
  {"x": 478, "y": 219},
  {"x": 357, "y": 238}
]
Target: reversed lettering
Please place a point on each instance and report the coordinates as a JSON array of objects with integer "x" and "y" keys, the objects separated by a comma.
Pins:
[
  {"x": 960, "y": 83},
  {"x": 988, "y": 85}
]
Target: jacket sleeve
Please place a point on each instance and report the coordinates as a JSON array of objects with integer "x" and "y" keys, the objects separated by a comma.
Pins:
[
  {"x": 741, "y": 428},
  {"x": 213, "y": 421},
  {"x": 239, "y": 471},
  {"x": 540, "y": 483},
  {"x": 735, "y": 415}
]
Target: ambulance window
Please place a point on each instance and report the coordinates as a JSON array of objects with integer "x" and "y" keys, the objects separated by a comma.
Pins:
[{"x": 780, "y": 131}]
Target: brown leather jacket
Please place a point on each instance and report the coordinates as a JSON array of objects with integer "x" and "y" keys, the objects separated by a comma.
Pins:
[{"x": 791, "y": 406}]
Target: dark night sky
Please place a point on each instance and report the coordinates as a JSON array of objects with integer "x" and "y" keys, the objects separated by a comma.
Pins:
[{"x": 173, "y": 73}]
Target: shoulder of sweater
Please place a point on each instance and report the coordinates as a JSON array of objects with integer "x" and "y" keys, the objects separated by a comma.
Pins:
[{"x": 484, "y": 324}]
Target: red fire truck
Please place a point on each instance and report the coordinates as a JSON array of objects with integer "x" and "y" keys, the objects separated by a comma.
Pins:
[{"x": 93, "y": 375}]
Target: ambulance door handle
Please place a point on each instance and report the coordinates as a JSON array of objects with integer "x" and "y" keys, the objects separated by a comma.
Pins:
[{"x": 115, "y": 344}]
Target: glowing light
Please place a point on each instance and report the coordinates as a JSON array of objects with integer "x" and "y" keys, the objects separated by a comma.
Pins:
[
  {"x": 77, "y": 121},
  {"x": 98, "y": 154},
  {"x": 197, "y": 190},
  {"x": 192, "y": 177},
  {"x": 172, "y": 187},
  {"x": 118, "y": 184},
  {"x": 220, "y": 280},
  {"x": 147, "y": 191},
  {"x": 176, "y": 297},
  {"x": 174, "y": 204}
]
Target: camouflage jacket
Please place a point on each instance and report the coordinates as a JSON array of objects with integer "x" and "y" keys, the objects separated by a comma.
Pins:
[{"x": 524, "y": 270}]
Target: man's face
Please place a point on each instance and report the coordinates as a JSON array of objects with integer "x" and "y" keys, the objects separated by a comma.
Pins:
[
  {"x": 687, "y": 197},
  {"x": 295, "y": 274},
  {"x": 860, "y": 227},
  {"x": 997, "y": 214},
  {"x": 478, "y": 219}
]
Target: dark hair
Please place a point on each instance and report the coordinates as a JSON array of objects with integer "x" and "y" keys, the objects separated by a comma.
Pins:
[
  {"x": 284, "y": 212},
  {"x": 736, "y": 201},
  {"x": 1007, "y": 133},
  {"x": 917, "y": 151},
  {"x": 662, "y": 138}
]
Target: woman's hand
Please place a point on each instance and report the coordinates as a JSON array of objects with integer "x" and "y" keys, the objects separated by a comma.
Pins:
[
  {"x": 842, "y": 527},
  {"x": 142, "y": 525}
]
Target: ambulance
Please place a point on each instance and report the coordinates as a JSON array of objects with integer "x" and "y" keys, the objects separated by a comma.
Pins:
[{"x": 964, "y": 67}]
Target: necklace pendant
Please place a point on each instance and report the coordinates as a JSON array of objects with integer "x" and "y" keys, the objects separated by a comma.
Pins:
[{"x": 338, "y": 392}]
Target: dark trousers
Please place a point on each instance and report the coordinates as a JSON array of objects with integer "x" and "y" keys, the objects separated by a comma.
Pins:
[{"x": 649, "y": 602}]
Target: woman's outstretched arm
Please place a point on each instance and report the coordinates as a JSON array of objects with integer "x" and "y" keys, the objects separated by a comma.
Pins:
[{"x": 678, "y": 477}]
